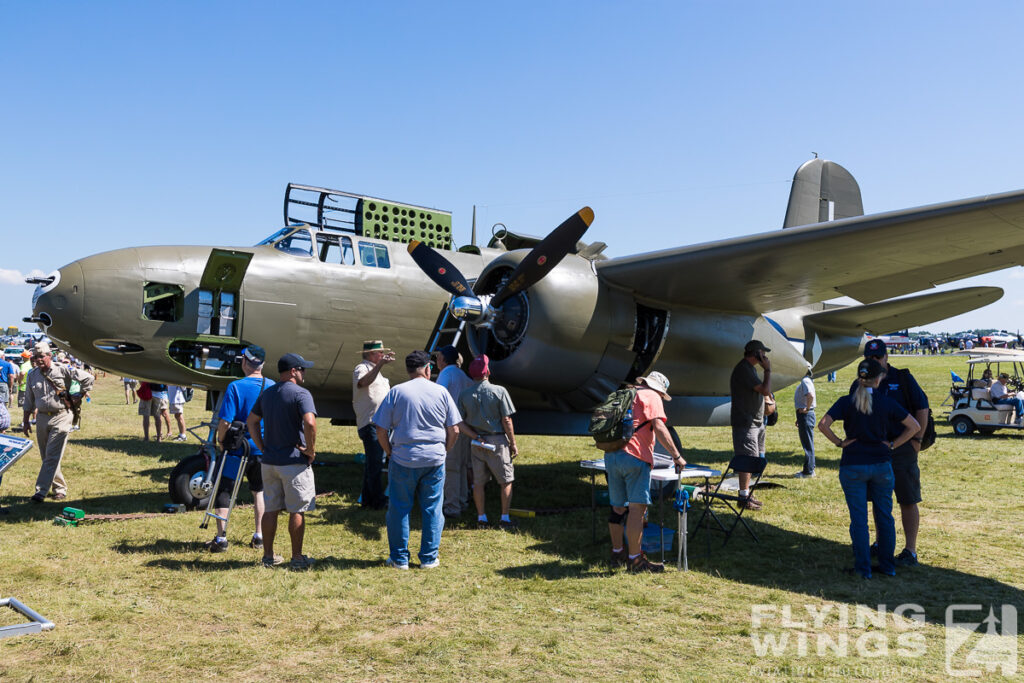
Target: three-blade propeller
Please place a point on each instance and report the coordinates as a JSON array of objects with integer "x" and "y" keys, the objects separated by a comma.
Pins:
[{"x": 538, "y": 263}]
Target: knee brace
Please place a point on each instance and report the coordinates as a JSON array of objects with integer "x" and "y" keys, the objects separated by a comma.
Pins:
[{"x": 617, "y": 517}]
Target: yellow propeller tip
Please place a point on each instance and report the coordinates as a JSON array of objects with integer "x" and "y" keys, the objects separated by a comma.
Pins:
[
  {"x": 587, "y": 214},
  {"x": 412, "y": 245}
]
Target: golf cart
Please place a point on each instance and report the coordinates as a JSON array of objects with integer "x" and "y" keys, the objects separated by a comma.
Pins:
[{"x": 971, "y": 401}]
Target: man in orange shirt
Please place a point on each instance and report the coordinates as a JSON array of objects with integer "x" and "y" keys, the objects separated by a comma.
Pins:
[{"x": 629, "y": 473}]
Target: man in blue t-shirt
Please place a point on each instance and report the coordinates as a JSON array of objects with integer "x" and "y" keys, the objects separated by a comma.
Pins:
[
  {"x": 288, "y": 444},
  {"x": 421, "y": 417},
  {"x": 239, "y": 398},
  {"x": 7, "y": 375}
]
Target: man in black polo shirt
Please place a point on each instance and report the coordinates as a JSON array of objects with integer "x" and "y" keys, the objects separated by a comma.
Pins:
[{"x": 900, "y": 386}]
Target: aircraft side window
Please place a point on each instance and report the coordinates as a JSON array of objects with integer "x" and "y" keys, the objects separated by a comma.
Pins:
[
  {"x": 348, "y": 254},
  {"x": 382, "y": 256},
  {"x": 367, "y": 255},
  {"x": 163, "y": 302},
  {"x": 330, "y": 250},
  {"x": 299, "y": 243}
]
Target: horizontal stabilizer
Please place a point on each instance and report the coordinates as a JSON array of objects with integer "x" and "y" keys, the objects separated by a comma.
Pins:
[{"x": 900, "y": 314}]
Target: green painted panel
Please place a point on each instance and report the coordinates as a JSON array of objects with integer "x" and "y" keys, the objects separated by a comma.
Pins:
[{"x": 403, "y": 223}]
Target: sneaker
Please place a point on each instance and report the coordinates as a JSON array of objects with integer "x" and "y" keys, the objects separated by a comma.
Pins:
[
  {"x": 180, "y": 437},
  {"x": 748, "y": 503},
  {"x": 480, "y": 524},
  {"x": 803, "y": 475},
  {"x": 300, "y": 563},
  {"x": 619, "y": 559},
  {"x": 58, "y": 496},
  {"x": 510, "y": 526},
  {"x": 272, "y": 561},
  {"x": 874, "y": 549},
  {"x": 430, "y": 565},
  {"x": 394, "y": 565},
  {"x": 256, "y": 542},
  {"x": 640, "y": 565},
  {"x": 217, "y": 546},
  {"x": 907, "y": 558},
  {"x": 754, "y": 500},
  {"x": 38, "y": 498}
]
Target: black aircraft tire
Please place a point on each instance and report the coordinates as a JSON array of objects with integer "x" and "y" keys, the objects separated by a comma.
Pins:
[{"x": 182, "y": 473}]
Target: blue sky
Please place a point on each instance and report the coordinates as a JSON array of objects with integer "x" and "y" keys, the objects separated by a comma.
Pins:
[{"x": 128, "y": 123}]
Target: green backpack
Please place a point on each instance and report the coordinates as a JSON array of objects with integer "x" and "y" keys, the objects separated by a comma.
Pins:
[{"x": 606, "y": 422}]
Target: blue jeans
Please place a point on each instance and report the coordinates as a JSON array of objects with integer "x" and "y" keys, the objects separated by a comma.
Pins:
[
  {"x": 805, "y": 425},
  {"x": 373, "y": 488},
  {"x": 862, "y": 483},
  {"x": 1018, "y": 405},
  {"x": 406, "y": 484}
]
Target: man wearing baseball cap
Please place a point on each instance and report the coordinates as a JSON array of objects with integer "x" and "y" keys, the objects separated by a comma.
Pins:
[
  {"x": 749, "y": 391},
  {"x": 46, "y": 390},
  {"x": 487, "y": 419},
  {"x": 900, "y": 386},
  {"x": 421, "y": 417},
  {"x": 288, "y": 444},
  {"x": 239, "y": 399}
]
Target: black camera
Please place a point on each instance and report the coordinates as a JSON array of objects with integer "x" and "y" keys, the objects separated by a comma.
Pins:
[{"x": 234, "y": 437}]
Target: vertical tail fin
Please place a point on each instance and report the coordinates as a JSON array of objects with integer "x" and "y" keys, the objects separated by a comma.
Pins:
[{"x": 822, "y": 191}]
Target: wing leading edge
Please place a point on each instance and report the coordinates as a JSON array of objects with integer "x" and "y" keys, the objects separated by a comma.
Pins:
[{"x": 869, "y": 258}]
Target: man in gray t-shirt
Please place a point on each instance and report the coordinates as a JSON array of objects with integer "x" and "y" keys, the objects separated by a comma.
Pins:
[
  {"x": 748, "y": 392},
  {"x": 288, "y": 445},
  {"x": 421, "y": 417}
]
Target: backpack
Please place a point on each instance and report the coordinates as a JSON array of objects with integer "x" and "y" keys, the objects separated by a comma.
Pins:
[
  {"x": 606, "y": 422},
  {"x": 188, "y": 393},
  {"x": 928, "y": 438}
]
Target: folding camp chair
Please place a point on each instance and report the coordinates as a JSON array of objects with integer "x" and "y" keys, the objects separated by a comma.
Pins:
[{"x": 730, "y": 502}]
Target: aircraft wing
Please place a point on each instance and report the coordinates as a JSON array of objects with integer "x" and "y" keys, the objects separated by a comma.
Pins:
[{"x": 868, "y": 258}]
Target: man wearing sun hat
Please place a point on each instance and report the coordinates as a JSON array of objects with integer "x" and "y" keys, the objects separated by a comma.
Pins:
[
  {"x": 629, "y": 473},
  {"x": 369, "y": 387}
]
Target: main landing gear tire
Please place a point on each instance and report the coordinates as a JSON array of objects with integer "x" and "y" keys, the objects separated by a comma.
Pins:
[
  {"x": 178, "y": 484},
  {"x": 962, "y": 426}
]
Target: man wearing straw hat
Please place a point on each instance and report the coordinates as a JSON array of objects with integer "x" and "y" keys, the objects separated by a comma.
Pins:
[{"x": 369, "y": 387}]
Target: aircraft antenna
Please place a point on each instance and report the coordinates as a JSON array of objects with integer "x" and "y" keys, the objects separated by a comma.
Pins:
[{"x": 473, "y": 239}]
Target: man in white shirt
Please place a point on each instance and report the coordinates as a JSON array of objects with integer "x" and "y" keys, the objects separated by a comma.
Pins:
[
  {"x": 369, "y": 388},
  {"x": 458, "y": 464},
  {"x": 804, "y": 401},
  {"x": 1002, "y": 396}
]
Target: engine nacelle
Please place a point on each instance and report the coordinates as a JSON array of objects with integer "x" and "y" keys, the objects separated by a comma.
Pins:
[{"x": 555, "y": 337}]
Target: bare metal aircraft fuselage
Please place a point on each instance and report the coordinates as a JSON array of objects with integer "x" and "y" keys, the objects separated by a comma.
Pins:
[{"x": 580, "y": 343}]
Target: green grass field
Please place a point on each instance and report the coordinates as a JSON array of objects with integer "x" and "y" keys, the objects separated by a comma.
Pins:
[{"x": 140, "y": 600}]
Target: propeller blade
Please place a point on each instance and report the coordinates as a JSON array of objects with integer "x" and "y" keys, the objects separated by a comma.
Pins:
[
  {"x": 546, "y": 255},
  {"x": 439, "y": 269}
]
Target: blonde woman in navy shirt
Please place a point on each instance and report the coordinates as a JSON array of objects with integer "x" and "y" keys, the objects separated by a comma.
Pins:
[{"x": 865, "y": 470}]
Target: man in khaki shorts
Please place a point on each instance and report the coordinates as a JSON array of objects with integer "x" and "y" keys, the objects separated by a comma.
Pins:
[
  {"x": 288, "y": 444},
  {"x": 487, "y": 419}
]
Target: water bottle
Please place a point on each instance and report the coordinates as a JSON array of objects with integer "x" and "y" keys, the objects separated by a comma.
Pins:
[{"x": 627, "y": 424}]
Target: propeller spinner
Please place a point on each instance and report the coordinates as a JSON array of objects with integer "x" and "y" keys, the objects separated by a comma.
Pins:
[{"x": 480, "y": 310}]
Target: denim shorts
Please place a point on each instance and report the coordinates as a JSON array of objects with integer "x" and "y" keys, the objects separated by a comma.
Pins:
[{"x": 629, "y": 479}]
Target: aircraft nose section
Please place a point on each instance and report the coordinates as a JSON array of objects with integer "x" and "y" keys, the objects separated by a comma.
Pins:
[{"x": 57, "y": 302}]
